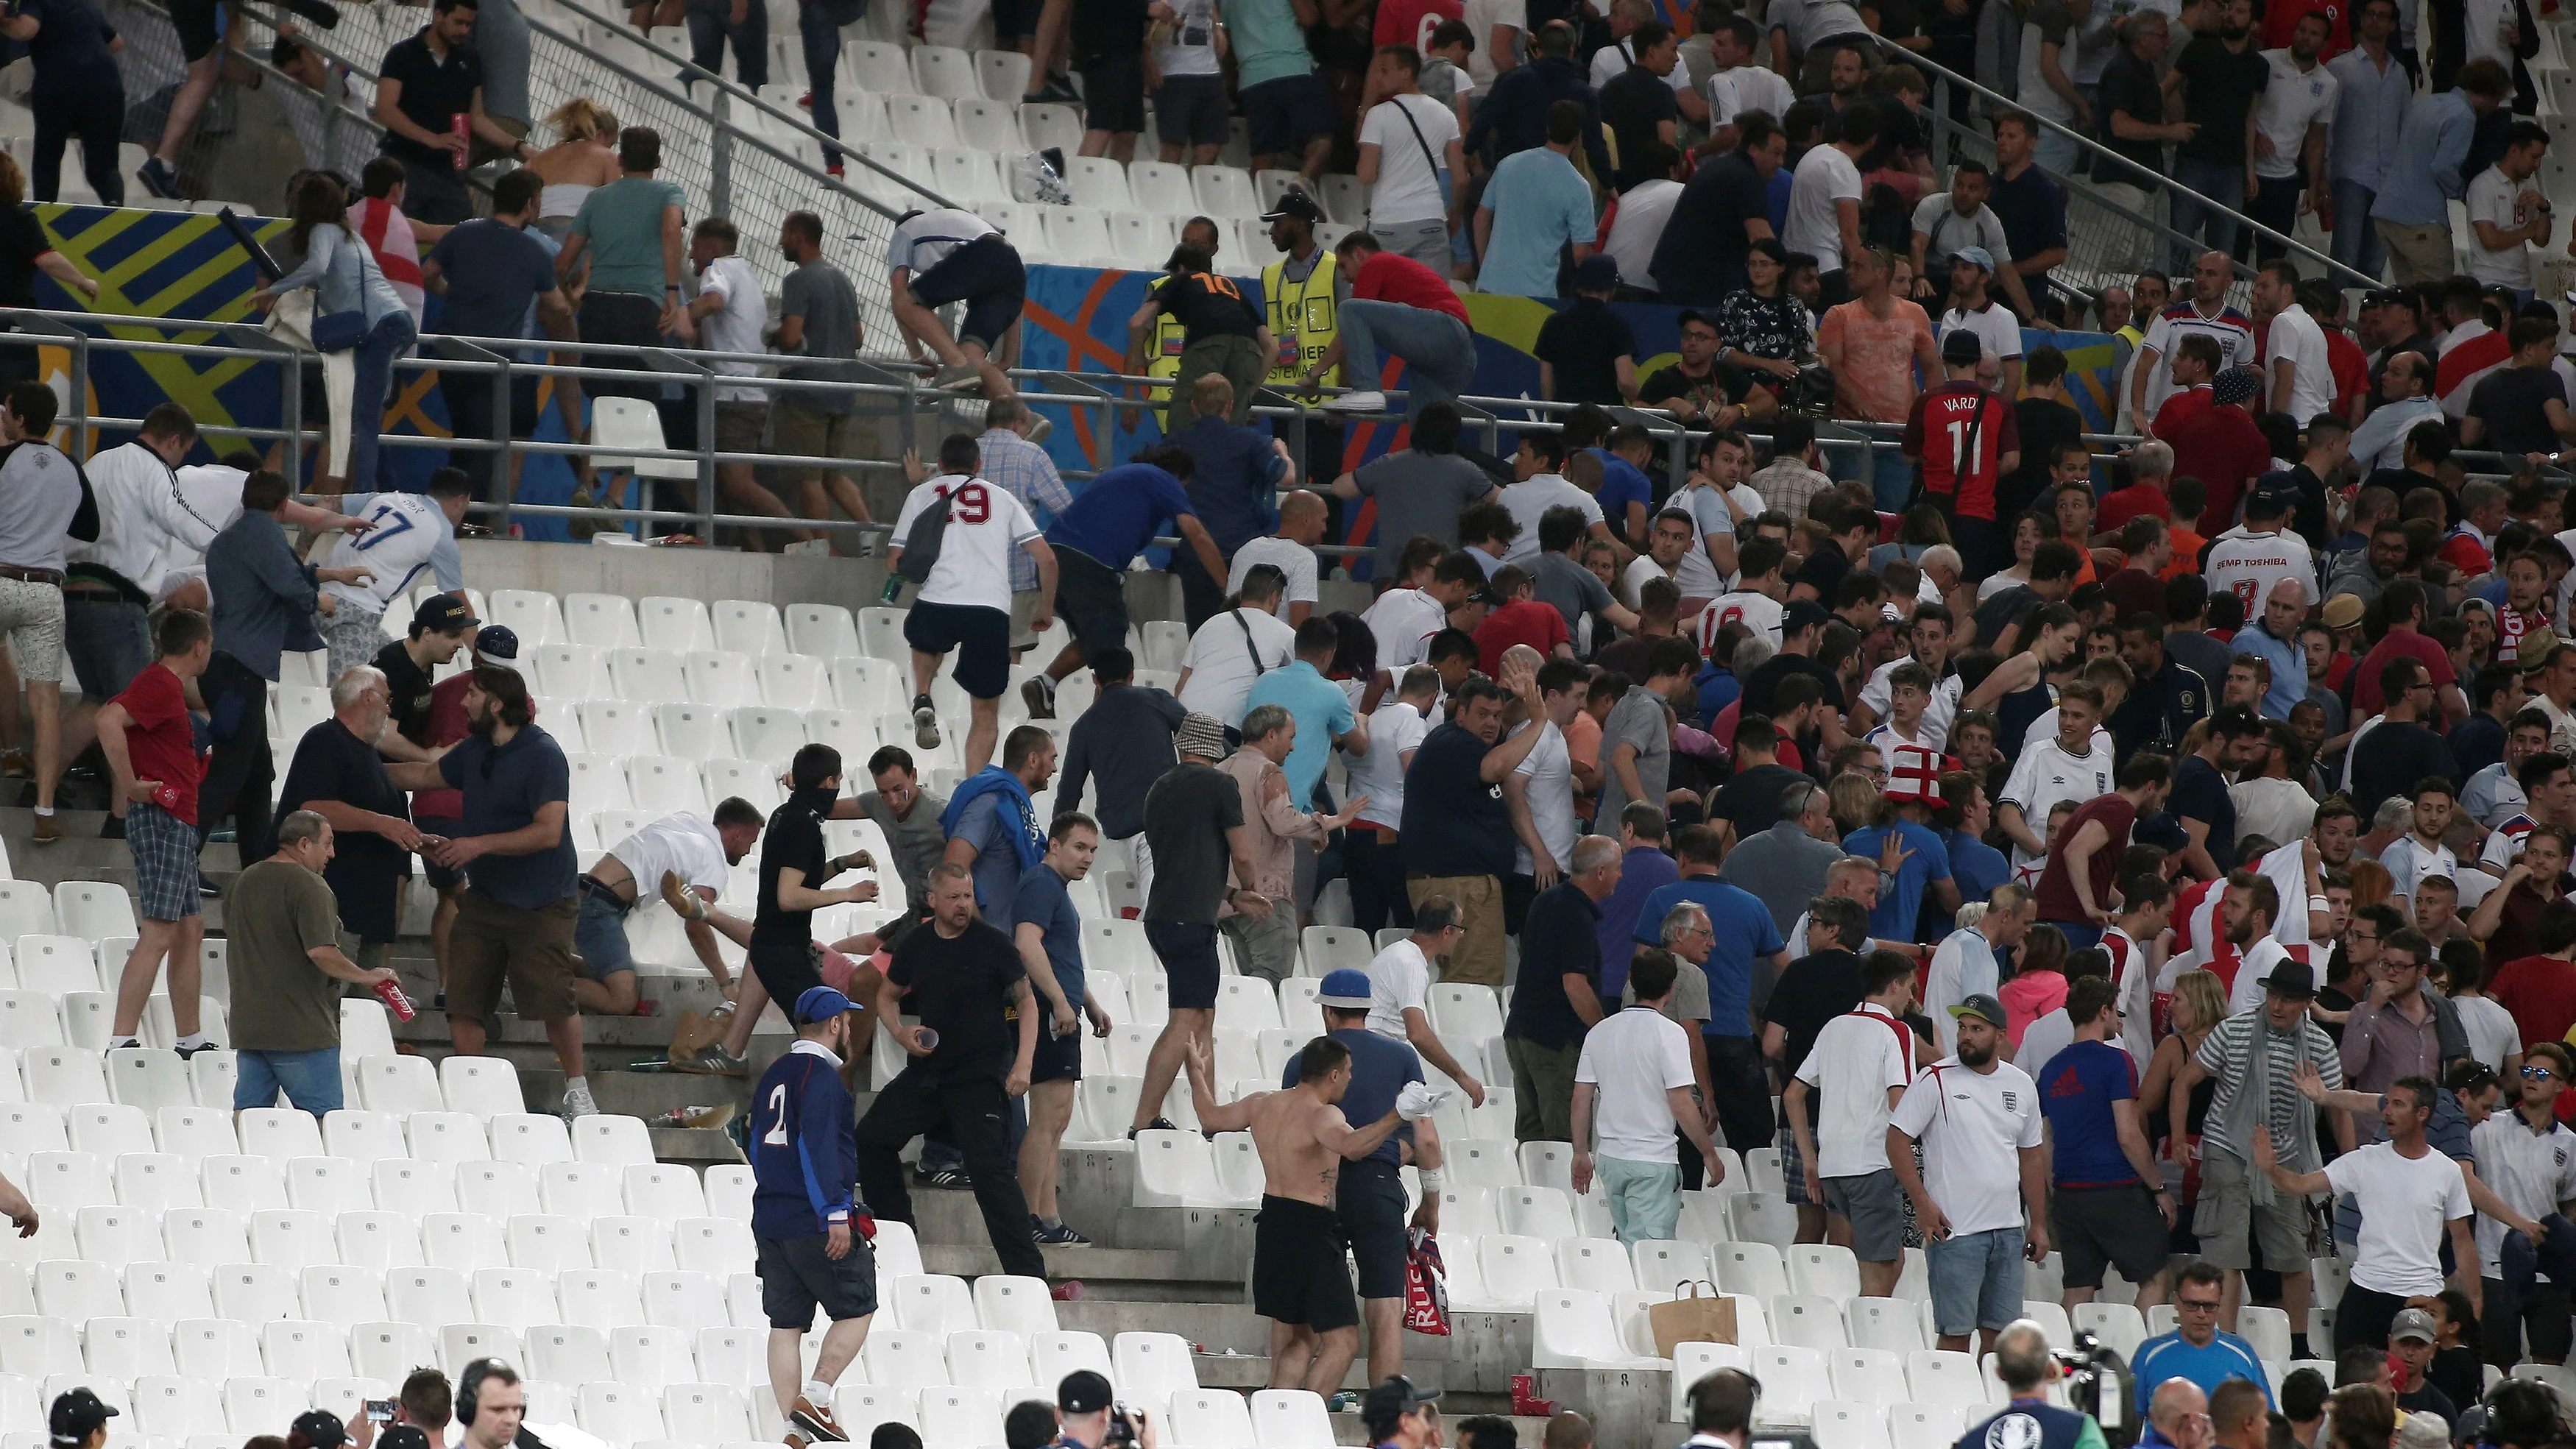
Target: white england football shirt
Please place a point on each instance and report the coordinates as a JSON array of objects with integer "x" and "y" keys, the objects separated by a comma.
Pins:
[
  {"x": 1973, "y": 1126},
  {"x": 685, "y": 844},
  {"x": 411, "y": 533}
]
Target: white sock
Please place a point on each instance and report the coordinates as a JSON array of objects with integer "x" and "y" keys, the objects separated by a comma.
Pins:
[
  {"x": 45, "y": 810},
  {"x": 190, "y": 1042},
  {"x": 576, "y": 1084},
  {"x": 818, "y": 1393}
]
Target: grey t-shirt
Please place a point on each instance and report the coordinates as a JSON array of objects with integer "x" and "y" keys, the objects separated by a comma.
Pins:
[
  {"x": 1637, "y": 719},
  {"x": 915, "y": 839},
  {"x": 1418, "y": 494},
  {"x": 1688, "y": 1005},
  {"x": 821, "y": 294},
  {"x": 1574, "y": 590}
]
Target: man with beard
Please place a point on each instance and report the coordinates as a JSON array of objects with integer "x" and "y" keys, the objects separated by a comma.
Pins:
[
  {"x": 2508, "y": 920},
  {"x": 1981, "y": 1195},
  {"x": 2409, "y": 1194},
  {"x": 2168, "y": 698},
  {"x": 2494, "y": 795},
  {"x": 2255, "y": 1057},
  {"x": 2527, "y": 1157},
  {"x": 2247, "y": 909}
]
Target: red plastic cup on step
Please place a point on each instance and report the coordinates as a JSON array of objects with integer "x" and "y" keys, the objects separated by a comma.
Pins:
[{"x": 391, "y": 994}]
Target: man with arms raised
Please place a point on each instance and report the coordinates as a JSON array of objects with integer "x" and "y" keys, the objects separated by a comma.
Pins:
[
  {"x": 1298, "y": 1277},
  {"x": 2409, "y": 1195}
]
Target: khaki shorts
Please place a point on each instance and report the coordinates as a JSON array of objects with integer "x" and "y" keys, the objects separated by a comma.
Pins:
[
  {"x": 2422, "y": 253},
  {"x": 1264, "y": 946},
  {"x": 2226, "y": 1218},
  {"x": 31, "y": 614},
  {"x": 740, "y": 426},
  {"x": 1024, "y": 609},
  {"x": 806, "y": 433},
  {"x": 1479, "y": 957},
  {"x": 491, "y": 942}
]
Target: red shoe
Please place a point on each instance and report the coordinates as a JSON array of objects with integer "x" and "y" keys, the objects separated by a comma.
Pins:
[
  {"x": 806, "y": 100},
  {"x": 1068, "y": 1291},
  {"x": 836, "y": 171}
]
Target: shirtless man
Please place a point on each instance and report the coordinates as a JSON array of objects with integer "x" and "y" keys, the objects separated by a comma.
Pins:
[{"x": 1299, "y": 1281}]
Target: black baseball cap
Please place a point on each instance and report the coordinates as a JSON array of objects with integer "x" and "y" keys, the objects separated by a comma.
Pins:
[
  {"x": 79, "y": 1414},
  {"x": 1083, "y": 1392},
  {"x": 1390, "y": 1401},
  {"x": 1962, "y": 347},
  {"x": 1803, "y": 614},
  {"x": 498, "y": 644},
  {"x": 444, "y": 614},
  {"x": 1295, "y": 202},
  {"x": 318, "y": 1429}
]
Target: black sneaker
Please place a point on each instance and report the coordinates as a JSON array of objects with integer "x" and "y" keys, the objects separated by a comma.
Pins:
[
  {"x": 186, "y": 1052},
  {"x": 1060, "y": 1236},
  {"x": 158, "y": 178},
  {"x": 925, "y": 723},
  {"x": 1159, "y": 1124},
  {"x": 1059, "y": 89},
  {"x": 113, "y": 828},
  {"x": 949, "y": 1177},
  {"x": 206, "y": 886}
]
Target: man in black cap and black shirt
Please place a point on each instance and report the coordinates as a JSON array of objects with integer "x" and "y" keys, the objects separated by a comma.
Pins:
[
  {"x": 79, "y": 1420},
  {"x": 1397, "y": 1414},
  {"x": 971, "y": 1054},
  {"x": 1086, "y": 1410},
  {"x": 442, "y": 625}
]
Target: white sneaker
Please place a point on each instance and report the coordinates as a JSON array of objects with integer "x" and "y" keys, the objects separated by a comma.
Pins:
[
  {"x": 577, "y": 1103},
  {"x": 1357, "y": 402}
]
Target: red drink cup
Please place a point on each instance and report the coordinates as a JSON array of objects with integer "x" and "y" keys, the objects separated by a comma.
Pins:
[
  {"x": 391, "y": 994},
  {"x": 463, "y": 126}
]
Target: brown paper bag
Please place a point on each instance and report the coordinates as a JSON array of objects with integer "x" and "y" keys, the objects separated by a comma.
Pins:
[{"x": 1692, "y": 1317}]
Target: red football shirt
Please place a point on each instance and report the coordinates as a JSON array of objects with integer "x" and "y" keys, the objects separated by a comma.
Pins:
[
  {"x": 2540, "y": 991},
  {"x": 2413, "y": 644},
  {"x": 1940, "y": 430},
  {"x": 1386, "y": 277},
  {"x": 446, "y": 727},
  {"x": 2122, "y": 504},
  {"x": 1410, "y": 22},
  {"x": 160, "y": 743},
  {"x": 2181, "y": 407},
  {"x": 2222, "y": 448},
  {"x": 2056, "y": 892},
  {"x": 1522, "y": 621}
]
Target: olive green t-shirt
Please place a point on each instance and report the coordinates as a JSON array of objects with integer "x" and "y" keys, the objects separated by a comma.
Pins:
[
  {"x": 1688, "y": 1004},
  {"x": 282, "y": 1002}
]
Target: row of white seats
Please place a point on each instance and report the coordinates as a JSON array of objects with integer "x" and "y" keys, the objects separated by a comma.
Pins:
[
  {"x": 751, "y": 627},
  {"x": 85, "y": 1020},
  {"x": 89, "y": 910}
]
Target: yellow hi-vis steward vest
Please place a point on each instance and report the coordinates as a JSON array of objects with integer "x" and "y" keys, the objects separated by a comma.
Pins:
[{"x": 1301, "y": 316}]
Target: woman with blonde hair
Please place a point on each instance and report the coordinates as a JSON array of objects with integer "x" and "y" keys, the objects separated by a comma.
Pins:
[
  {"x": 1852, "y": 798},
  {"x": 583, "y": 157},
  {"x": 2199, "y": 1004}
]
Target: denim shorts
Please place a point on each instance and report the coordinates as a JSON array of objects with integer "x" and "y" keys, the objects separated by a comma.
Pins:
[
  {"x": 311, "y": 1080},
  {"x": 109, "y": 641},
  {"x": 1976, "y": 1280},
  {"x": 600, "y": 933}
]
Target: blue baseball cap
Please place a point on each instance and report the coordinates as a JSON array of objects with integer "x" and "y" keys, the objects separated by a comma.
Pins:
[
  {"x": 496, "y": 644},
  {"x": 1984, "y": 260},
  {"x": 820, "y": 1004},
  {"x": 1347, "y": 989}
]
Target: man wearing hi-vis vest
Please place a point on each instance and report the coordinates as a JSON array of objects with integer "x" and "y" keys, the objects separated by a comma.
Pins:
[{"x": 1301, "y": 299}]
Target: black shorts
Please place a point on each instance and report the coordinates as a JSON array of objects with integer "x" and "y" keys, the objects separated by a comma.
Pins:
[
  {"x": 2099, "y": 1226},
  {"x": 2539, "y": 1325},
  {"x": 796, "y": 1274},
  {"x": 786, "y": 972},
  {"x": 1284, "y": 114},
  {"x": 1092, "y": 598},
  {"x": 1370, "y": 1203},
  {"x": 1113, "y": 92},
  {"x": 1191, "y": 110},
  {"x": 1190, "y": 966},
  {"x": 440, "y": 878},
  {"x": 1297, "y": 1271},
  {"x": 1058, "y": 1058},
  {"x": 987, "y": 275},
  {"x": 198, "y": 35},
  {"x": 1014, "y": 20},
  {"x": 981, "y": 637}
]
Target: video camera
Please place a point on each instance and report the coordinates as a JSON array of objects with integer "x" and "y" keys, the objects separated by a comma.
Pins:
[
  {"x": 1810, "y": 394},
  {"x": 2098, "y": 1383}
]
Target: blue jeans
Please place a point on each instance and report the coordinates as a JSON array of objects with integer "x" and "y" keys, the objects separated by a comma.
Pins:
[
  {"x": 1438, "y": 352},
  {"x": 599, "y": 934},
  {"x": 2356, "y": 241},
  {"x": 2056, "y": 154},
  {"x": 2080, "y": 936},
  {"x": 2219, "y": 181},
  {"x": 1891, "y": 480},
  {"x": 710, "y": 26},
  {"x": 1976, "y": 1280},
  {"x": 390, "y": 338},
  {"x": 311, "y": 1080},
  {"x": 822, "y": 54},
  {"x": 108, "y": 639}
]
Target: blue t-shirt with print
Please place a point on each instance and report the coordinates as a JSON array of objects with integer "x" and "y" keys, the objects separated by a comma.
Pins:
[
  {"x": 1120, "y": 512},
  {"x": 2077, "y": 1090}
]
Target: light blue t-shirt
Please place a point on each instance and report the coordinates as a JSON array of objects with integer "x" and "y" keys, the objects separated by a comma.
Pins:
[
  {"x": 1322, "y": 712},
  {"x": 1540, "y": 203},
  {"x": 1268, "y": 42},
  {"x": 1892, "y": 919}
]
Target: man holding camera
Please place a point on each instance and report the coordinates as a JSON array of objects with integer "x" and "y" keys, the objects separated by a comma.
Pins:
[
  {"x": 2026, "y": 1367},
  {"x": 1088, "y": 1416}
]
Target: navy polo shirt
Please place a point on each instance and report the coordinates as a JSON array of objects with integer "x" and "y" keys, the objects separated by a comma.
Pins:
[{"x": 504, "y": 788}]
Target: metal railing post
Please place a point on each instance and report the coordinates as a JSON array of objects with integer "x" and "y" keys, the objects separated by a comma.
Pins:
[
  {"x": 707, "y": 465},
  {"x": 720, "y": 156}
]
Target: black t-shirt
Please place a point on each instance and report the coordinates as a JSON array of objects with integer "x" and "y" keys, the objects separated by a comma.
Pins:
[
  {"x": 2200, "y": 793},
  {"x": 961, "y": 990},
  {"x": 1758, "y": 687},
  {"x": 1455, "y": 822},
  {"x": 1208, "y": 305},
  {"x": 794, "y": 841},
  {"x": 1665, "y": 383},
  {"x": 70, "y": 48},
  {"x": 1633, "y": 107},
  {"x": 2509, "y": 402},
  {"x": 1823, "y": 571},
  {"x": 1105, "y": 29},
  {"x": 1187, "y": 813},
  {"x": 434, "y": 94},
  {"x": 408, "y": 685},
  {"x": 1810, "y": 993},
  {"x": 366, "y": 870},
  {"x": 1560, "y": 938},
  {"x": 2129, "y": 84},
  {"x": 22, "y": 240},
  {"x": 2222, "y": 85},
  {"x": 1751, "y": 801},
  {"x": 2044, "y": 424},
  {"x": 1584, "y": 343},
  {"x": 2032, "y": 209},
  {"x": 2390, "y": 758},
  {"x": 2007, "y": 608},
  {"x": 1700, "y": 256}
]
